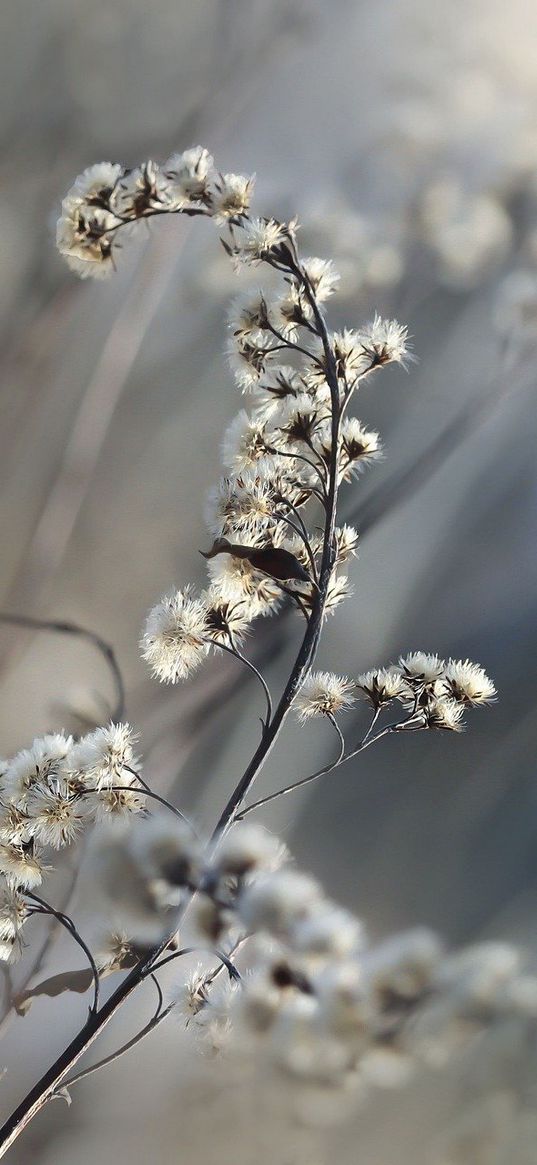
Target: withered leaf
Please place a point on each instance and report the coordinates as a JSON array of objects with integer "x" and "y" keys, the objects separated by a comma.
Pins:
[
  {"x": 279, "y": 563},
  {"x": 78, "y": 981},
  {"x": 272, "y": 560}
]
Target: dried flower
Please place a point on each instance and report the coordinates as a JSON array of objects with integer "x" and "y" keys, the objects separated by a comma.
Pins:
[
  {"x": 467, "y": 683},
  {"x": 382, "y": 685},
  {"x": 385, "y": 341},
  {"x": 276, "y": 902},
  {"x": 174, "y": 638},
  {"x": 231, "y": 196},
  {"x": 190, "y": 173},
  {"x": 322, "y": 277},
  {"x": 418, "y": 668},
  {"x": 249, "y": 847},
  {"x": 324, "y": 694},
  {"x": 58, "y": 815},
  {"x": 45, "y": 760},
  {"x": 100, "y": 759}
]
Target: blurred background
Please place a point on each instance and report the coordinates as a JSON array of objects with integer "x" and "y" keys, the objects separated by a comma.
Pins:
[{"x": 404, "y": 137}]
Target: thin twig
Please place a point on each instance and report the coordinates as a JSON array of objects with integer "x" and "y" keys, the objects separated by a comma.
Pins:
[
  {"x": 66, "y": 628},
  {"x": 341, "y": 739},
  {"x": 365, "y": 742},
  {"x": 234, "y": 651},
  {"x": 225, "y": 961},
  {"x": 145, "y": 1031},
  {"x": 303, "y": 537},
  {"x": 71, "y": 929},
  {"x": 160, "y": 997},
  {"x": 145, "y": 791}
]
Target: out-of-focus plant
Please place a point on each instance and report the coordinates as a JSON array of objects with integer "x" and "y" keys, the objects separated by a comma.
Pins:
[{"x": 322, "y": 1000}]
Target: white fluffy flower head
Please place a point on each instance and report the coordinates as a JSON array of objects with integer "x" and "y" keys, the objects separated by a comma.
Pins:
[
  {"x": 173, "y": 641},
  {"x": 324, "y": 694},
  {"x": 468, "y": 683},
  {"x": 385, "y": 341},
  {"x": 100, "y": 758}
]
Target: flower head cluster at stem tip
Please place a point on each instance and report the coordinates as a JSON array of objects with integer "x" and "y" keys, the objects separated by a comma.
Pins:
[
  {"x": 294, "y": 448},
  {"x": 49, "y": 794}
]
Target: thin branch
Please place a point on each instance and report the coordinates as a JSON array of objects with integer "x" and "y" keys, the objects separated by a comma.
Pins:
[
  {"x": 292, "y": 346},
  {"x": 145, "y": 1031},
  {"x": 159, "y": 1016},
  {"x": 312, "y": 634},
  {"x": 53, "y": 1077},
  {"x": 66, "y": 628},
  {"x": 342, "y": 759},
  {"x": 46, "y": 946},
  {"x": 234, "y": 651},
  {"x": 71, "y": 929},
  {"x": 224, "y": 960},
  {"x": 160, "y": 997},
  {"x": 145, "y": 791},
  {"x": 304, "y": 538},
  {"x": 341, "y": 739},
  {"x": 295, "y": 596},
  {"x": 374, "y": 719},
  {"x": 301, "y": 457}
]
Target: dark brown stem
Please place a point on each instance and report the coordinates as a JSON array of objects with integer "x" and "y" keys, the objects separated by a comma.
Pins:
[{"x": 308, "y": 648}]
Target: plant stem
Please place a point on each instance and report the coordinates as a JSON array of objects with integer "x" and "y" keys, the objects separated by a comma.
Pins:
[
  {"x": 65, "y": 628},
  {"x": 97, "y": 1021}
]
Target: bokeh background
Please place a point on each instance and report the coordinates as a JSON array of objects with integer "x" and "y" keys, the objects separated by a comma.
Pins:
[{"x": 404, "y": 137}]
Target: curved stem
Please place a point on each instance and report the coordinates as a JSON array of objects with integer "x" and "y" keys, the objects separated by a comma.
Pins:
[
  {"x": 373, "y": 723},
  {"x": 291, "y": 345},
  {"x": 302, "y": 534},
  {"x": 335, "y": 725},
  {"x": 233, "y": 650},
  {"x": 301, "y": 457},
  {"x": 160, "y": 1014},
  {"x": 224, "y": 960},
  {"x": 190, "y": 212},
  {"x": 43, "y": 952},
  {"x": 136, "y": 1039},
  {"x": 295, "y": 596},
  {"x": 71, "y": 929},
  {"x": 66, "y": 628},
  {"x": 310, "y": 641},
  {"x": 145, "y": 791},
  {"x": 364, "y": 743},
  {"x": 411, "y": 724},
  {"x": 160, "y": 997}
]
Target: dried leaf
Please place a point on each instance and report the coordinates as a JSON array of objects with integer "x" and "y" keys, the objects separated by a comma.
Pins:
[
  {"x": 279, "y": 563},
  {"x": 271, "y": 560},
  {"x": 78, "y": 981}
]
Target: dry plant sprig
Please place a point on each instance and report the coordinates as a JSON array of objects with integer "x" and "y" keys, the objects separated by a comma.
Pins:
[{"x": 285, "y": 462}]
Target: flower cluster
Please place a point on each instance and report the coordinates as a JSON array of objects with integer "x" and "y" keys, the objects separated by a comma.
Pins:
[
  {"x": 107, "y": 201},
  {"x": 285, "y": 458},
  {"x": 294, "y": 970},
  {"x": 297, "y": 978},
  {"x": 49, "y": 793},
  {"x": 435, "y": 694}
]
